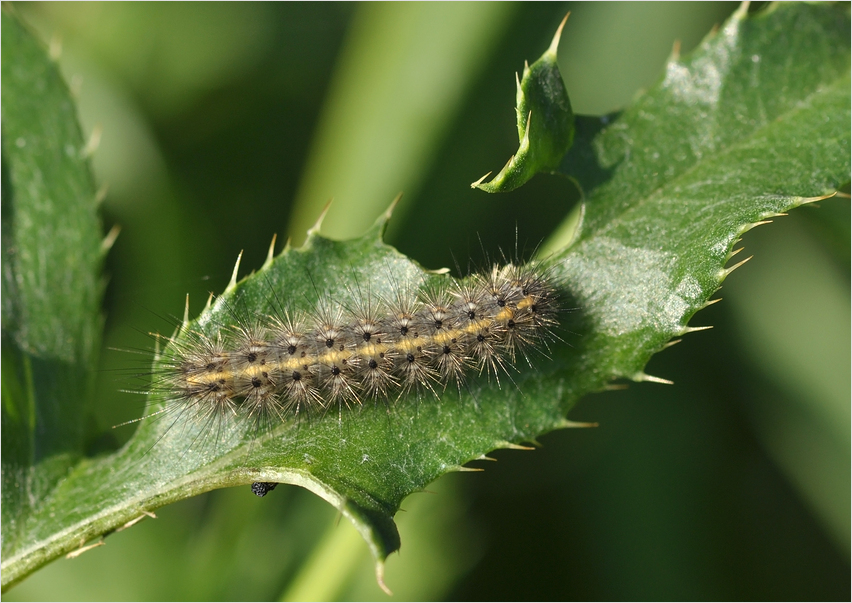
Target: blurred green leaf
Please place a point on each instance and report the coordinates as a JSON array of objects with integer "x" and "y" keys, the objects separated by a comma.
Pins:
[
  {"x": 404, "y": 72},
  {"x": 51, "y": 288},
  {"x": 667, "y": 197},
  {"x": 545, "y": 123},
  {"x": 805, "y": 424}
]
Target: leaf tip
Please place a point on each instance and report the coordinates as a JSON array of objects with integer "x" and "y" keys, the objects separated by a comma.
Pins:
[
  {"x": 233, "y": 282},
  {"x": 510, "y": 446},
  {"x": 463, "y": 469},
  {"x": 732, "y": 253},
  {"x": 382, "y": 221},
  {"x": 109, "y": 240},
  {"x": 674, "y": 56},
  {"x": 644, "y": 377},
  {"x": 101, "y": 193},
  {"x": 806, "y": 200},
  {"x": 671, "y": 343},
  {"x": 687, "y": 330},
  {"x": 710, "y": 302},
  {"x": 554, "y": 44},
  {"x": 270, "y": 255},
  {"x": 314, "y": 230},
  {"x": 389, "y": 211},
  {"x": 725, "y": 272},
  {"x": 380, "y": 577},
  {"x": 748, "y": 227},
  {"x": 480, "y": 181},
  {"x": 566, "y": 424},
  {"x": 93, "y": 143}
]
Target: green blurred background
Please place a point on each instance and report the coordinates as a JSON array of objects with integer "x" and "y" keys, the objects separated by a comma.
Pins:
[{"x": 222, "y": 124}]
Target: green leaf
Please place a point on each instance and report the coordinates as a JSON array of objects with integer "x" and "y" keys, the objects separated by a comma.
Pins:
[
  {"x": 762, "y": 104},
  {"x": 545, "y": 123},
  {"x": 667, "y": 196},
  {"x": 51, "y": 288},
  {"x": 753, "y": 124},
  {"x": 365, "y": 462}
]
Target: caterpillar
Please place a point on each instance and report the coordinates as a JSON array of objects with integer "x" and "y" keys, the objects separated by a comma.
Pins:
[
  {"x": 271, "y": 367},
  {"x": 335, "y": 325}
]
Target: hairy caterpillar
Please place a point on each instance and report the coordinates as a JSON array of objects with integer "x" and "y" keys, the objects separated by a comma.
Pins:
[
  {"x": 268, "y": 367},
  {"x": 335, "y": 325}
]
